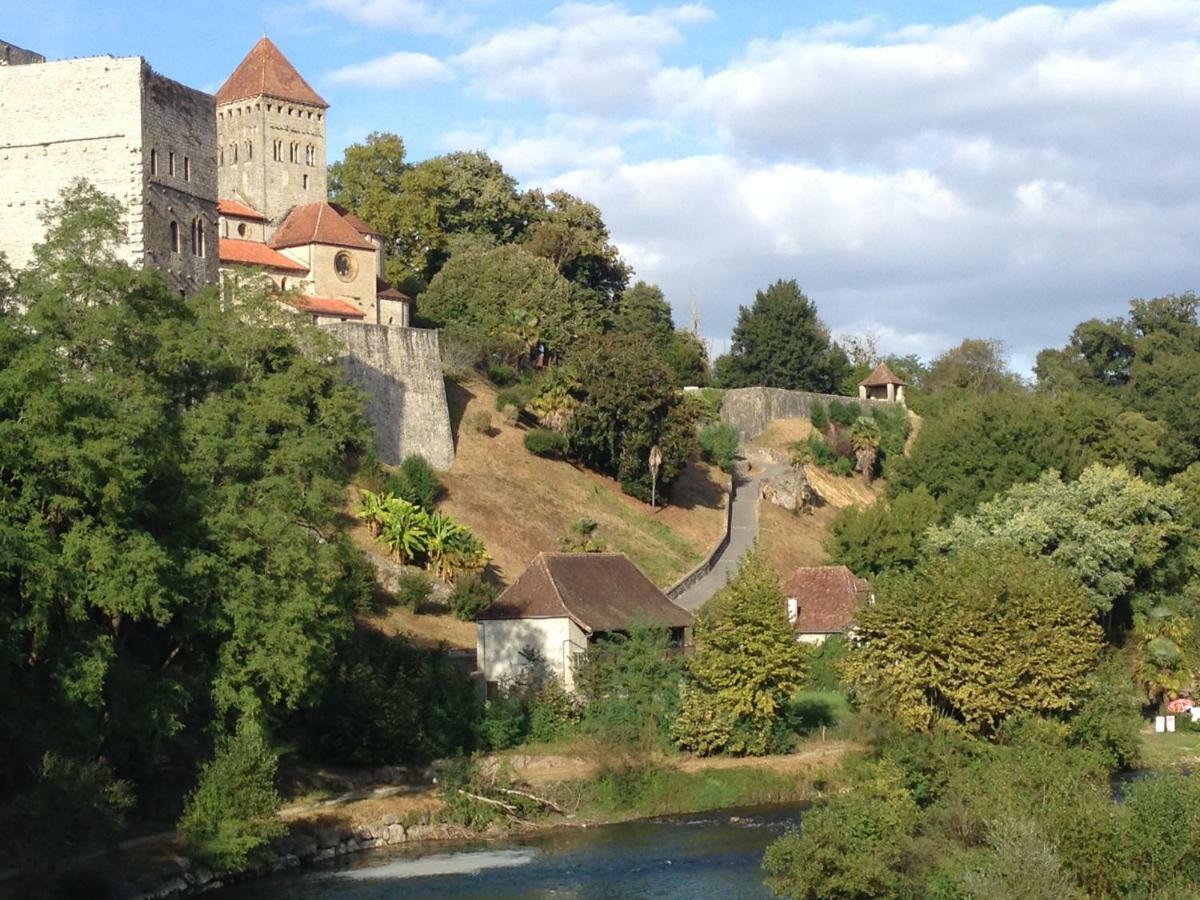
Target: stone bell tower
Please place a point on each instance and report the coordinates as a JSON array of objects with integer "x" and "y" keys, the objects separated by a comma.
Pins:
[{"x": 270, "y": 136}]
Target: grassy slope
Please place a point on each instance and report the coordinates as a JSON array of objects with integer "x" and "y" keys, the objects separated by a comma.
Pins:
[{"x": 519, "y": 504}]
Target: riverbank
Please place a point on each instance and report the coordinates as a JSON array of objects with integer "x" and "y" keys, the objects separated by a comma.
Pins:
[{"x": 588, "y": 792}]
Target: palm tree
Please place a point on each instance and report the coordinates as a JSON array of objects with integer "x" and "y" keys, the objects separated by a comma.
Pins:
[{"x": 864, "y": 438}]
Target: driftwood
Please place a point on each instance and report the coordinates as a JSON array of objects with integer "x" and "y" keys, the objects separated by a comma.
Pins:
[
  {"x": 507, "y": 807},
  {"x": 549, "y": 804}
]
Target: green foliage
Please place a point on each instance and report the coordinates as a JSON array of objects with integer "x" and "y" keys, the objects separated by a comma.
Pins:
[
  {"x": 643, "y": 310},
  {"x": 629, "y": 685},
  {"x": 856, "y": 846},
  {"x": 389, "y": 703},
  {"x": 843, "y": 467},
  {"x": 972, "y": 639},
  {"x": 500, "y": 375},
  {"x": 719, "y": 445},
  {"x": 884, "y": 536},
  {"x": 1110, "y": 528},
  {"x": 844, "y": 412},
  {"x": 411, "y": 534},
  {"x": 553, "y": 713},
  {"x": 623, "y": 789},
  {"x": 780, "y": 342},
  {"x": 581, "y": 538},
  {"x": 824, "y": 664},
  {"x": 1109, "y": 717},
  {"x": 1163, "y": 819},
  {"x": 519, "y": 396},
  {"x": 686, "y": 355},
  {"x": 232, "y": 813},
  {"x": 170, "y": 546},
  {"x": 975, "y": 366},
  {"x": 544, "y": 442},
  {"x": 708, "y": 400},
  {"x": 471, "y": 596},
  {"x": 416, "y": 481},
  {"x": 626, "y": 406},
  {"x": 413, "y": 589},
  {"x": 733, "y": 699},
  {"x": 818, "y": 414}
]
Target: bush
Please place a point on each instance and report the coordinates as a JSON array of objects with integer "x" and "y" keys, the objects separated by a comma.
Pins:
[
  {"x": 719, "y": 445},
  {"x": 480, "y": 422},
  {"x": 510, "y": 414},
  {"x": 505, "y": 723},
  {"x": 232, "y": 813},
  {"x": 544, "y": 442},
  {"x": 501, "y": 375},
  {"x": 842, "y": 466},
  {"x": 413, "y": 589},
  {"x": 471, "y": 596},
  {"x": 518, "y": 395},
  {"x": 416, "y": 481},
  {"x": 844, "y": 412},
  {"x": 552, "y": 713},
  {"x": 818, "y": 415}
]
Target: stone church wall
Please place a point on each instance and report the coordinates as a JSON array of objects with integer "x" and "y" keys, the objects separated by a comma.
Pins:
[{"x": 400, "y": 372}]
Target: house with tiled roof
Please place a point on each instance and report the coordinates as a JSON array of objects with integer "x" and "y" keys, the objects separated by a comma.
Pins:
[
  {"x": 821, "y": 601},
  {"x": 559, "y": 605},
  {"x": 272, "y": 186}
]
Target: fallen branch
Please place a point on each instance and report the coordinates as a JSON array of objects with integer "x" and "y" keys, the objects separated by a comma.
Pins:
[
  {"x": 549, "y": 804},
  {"x": 507, "y": 807}
]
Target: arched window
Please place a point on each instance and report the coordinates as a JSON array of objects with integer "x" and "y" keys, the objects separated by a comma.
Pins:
[
  {"x": 171, "y": 162},
  {"x": 199, "y": 242},
  {"x": 173, "y": 232},
  {"x": 221, "y": 154},
  {"x": 187, "y": 169},
  {"x": 249, "y": 150},
  {"x": 153, "y": 162}
]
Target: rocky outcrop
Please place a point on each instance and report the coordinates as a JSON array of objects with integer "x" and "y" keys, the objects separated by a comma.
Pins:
[{"x": 791, "y": 490}]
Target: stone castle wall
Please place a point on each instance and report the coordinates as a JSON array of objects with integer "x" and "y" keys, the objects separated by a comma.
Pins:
[
  {"x": 99, "y": 119},
  {"x": 751, "y": 410},
  {"x": 400, "y": 372},
  {"x": 252, "y": 174},
  {"x": 12, "y": 55}
]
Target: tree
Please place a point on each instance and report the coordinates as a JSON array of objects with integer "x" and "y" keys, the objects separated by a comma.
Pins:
[
  {"x": 780, "y": 342},
  {"x": 746, "y": 665},
  {"x": 482, "y": 293},
  {"x": 975, "y": 366},
  {"x": 972, "y": 639},
  {"x": 686, "y": 356},
  {"x": 644, "y": 310},
  {"x": 885, "y": 536},
  {"x": 1110, "y": 528},
  {"x": 864, "y": 438},
  {"x": 625, "y": 405},
  {"x": 571, "y": 234}
]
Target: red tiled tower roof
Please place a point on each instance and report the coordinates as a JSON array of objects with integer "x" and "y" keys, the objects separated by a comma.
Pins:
[
  {"x": 318, "y": 223},
  {"x": 881, "y": 377},
  {"x": 266, "y": 72}
]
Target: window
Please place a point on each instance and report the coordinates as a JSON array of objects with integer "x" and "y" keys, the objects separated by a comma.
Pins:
[
  {"x": 170, "y": 162},
  {"x": 345, "y": 265},
  {"x": 294, "y": 152},
  {"x": 221, "y": 156},
  {"x": 241, "y": 229},
  {"x": 305, "y": 185},
  {"x": 276, "y": 150},
  {"x": 198, "y": 241},
  {"x": 173, "y": 233},
  {"x": 234, "y": 145},
  {"x": 249, "y": 151},
  {"x": 153, "y": 162},
  {"x": 187, "y": 169}
]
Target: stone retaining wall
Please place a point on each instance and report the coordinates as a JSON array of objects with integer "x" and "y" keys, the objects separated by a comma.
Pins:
[
  {"x": 706, "y": 565},
  {"x": 751, "y": 410}
]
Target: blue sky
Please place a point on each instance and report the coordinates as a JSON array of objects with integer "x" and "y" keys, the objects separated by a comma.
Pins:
[{"x": 927, "y": 171}]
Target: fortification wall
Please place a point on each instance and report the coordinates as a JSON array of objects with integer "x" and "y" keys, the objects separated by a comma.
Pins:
[
  {"x": 400, "y": 371},
  {"x": 12, "y": 55},
  {"x": 751, "y": 410},
  {"x": 64, "y": 120}
]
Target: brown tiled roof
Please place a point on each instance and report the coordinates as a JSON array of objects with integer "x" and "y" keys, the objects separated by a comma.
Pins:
[
  {"x": 825, "y": 598},
  {"x": 387, "y": 292},
  {"x": 317, "y": 223},
  {"x": 252, "y": 253},
  {"x": 324, "y": 306},
  {"x": 881, "y": 377},
  {"x": 598, "y": 591},
  {"x": 359, "y": 225},
  {"x": 239, "y": 210},
  {"x": 266, "y": 72}
]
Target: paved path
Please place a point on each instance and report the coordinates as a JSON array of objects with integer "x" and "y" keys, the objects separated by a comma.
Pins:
[{"x": 741, "y": 536}]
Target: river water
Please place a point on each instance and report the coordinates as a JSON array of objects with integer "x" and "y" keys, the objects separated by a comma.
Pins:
[{"x": 706, "y": 855}]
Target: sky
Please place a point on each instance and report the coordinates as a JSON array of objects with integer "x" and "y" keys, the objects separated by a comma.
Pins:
[{"x": 926, "y": 171}]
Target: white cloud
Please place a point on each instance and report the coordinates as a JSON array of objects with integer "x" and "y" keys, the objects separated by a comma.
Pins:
[
  {"x": 396, "y": 70},
  {"x": 410, "y": 15}
]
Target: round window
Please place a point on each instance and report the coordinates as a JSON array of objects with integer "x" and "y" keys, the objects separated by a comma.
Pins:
[
  {"x": 345, "y": 266},
  {"x": 241, "y": 229}
]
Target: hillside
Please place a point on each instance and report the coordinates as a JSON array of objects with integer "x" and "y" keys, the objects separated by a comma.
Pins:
[{"x": 520, "y": 504}]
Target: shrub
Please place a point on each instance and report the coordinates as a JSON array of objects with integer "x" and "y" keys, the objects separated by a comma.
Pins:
[
  {"x": 843, "y": 466},
  {"x": 480, "y": 422},
  {"x": 510, "y": 414},
  {"x": 552, "y": 713},
  {"x": 544, "y": 442},
  {"x": 844, "y": 412},
  {"x": 471, "y": 596},
  {"x": 413, "y": 589},
  {"x": 518, "y": 395},
  {"x": 818, "y": 415},
  {"x": 232, "y": 812},
  {"x": 581, "y": 538},
  {"x": 719, "y": 444},
  {"x": 505, "y": 723},
  {"x": 416, "y": 481},
  {"x": 501, "y": 375}
]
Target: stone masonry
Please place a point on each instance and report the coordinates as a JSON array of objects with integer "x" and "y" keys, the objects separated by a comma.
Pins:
[
  {"x": 12, "y": 55},
  {"x": 400, "y": 372},
  {"x": 142, "y": 138},
  {"x": 751, "y": 410}
]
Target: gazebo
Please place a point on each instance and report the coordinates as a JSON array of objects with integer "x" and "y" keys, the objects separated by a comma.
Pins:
[{"x": 882, "y": 384}]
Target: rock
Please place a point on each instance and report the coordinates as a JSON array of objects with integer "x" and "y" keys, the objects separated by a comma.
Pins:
[
  {"x": 324, "y": 853},
  {"x": 395, "y": 834},
  {"x": 790, "y": 490}
]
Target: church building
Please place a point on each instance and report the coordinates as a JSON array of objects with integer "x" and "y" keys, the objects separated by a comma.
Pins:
[{"x": 275, "y": 217}]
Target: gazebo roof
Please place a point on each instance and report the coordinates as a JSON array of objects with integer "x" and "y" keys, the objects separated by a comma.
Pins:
[{"x": 881, "y": 377}]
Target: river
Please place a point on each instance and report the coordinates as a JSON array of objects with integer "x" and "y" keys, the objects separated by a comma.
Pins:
[{"x": 707, "y": 855}]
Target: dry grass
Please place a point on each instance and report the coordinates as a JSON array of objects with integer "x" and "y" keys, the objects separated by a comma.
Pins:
[
  {"x": 519, "y": 504},
  {"x": 780, "y": 434},
  {"x": 425, "y": 629}
]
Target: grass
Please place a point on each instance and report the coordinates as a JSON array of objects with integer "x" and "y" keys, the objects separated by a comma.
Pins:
[
  {"x": 1170, "y": 751},
  {"x": 813, "y": 709}
]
